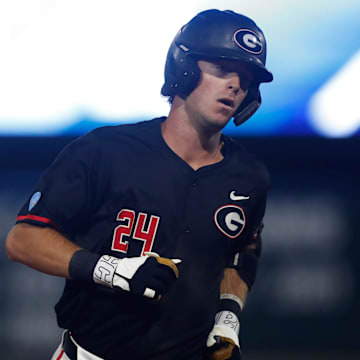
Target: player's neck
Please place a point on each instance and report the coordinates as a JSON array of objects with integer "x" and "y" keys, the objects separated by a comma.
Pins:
[{"x": 195, "y": 146}]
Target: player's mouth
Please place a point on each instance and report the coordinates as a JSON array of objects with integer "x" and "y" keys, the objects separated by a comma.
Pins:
[{"x": 229, "y": 103}]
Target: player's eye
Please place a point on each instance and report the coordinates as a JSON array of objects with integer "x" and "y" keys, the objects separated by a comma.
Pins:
[{"x": 221, "y": 69}]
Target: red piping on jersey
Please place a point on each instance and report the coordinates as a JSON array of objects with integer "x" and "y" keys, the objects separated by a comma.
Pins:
[
  {"x": 37, "y": 218},
  {"x": 60, "y": 355}
]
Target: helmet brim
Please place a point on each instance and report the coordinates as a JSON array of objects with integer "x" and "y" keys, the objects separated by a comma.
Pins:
[{"x": 262, "y": 74}]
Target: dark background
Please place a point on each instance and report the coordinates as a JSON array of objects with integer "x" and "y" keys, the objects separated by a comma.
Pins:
[{"x": 305, "y": 304}]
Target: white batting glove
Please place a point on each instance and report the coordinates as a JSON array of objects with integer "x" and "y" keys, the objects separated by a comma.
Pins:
[
  {"x": 223, "y": 341},
  {"x": 149, "y": 276}
]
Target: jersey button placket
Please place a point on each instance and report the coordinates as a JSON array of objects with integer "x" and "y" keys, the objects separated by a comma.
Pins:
[{"x": 194, "y": 183}]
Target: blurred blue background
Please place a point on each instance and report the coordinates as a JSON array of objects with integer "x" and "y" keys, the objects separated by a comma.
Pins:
[{"x": 70, "y": 66}]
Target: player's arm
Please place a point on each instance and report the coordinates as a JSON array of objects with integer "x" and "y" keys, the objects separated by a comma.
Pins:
[
  {"x": 46, "y": 250},
  {"x": 42, "y": 248},
  {"x": 223, "y": 341}
]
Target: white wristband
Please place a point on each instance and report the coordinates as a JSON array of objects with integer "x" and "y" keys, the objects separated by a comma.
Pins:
[{"x": 232, "y": 297}]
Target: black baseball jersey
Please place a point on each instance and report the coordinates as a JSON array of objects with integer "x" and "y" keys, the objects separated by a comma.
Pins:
[{"x": 120, "y": 190}]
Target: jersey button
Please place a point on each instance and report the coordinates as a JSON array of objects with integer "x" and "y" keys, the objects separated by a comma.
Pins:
[
  {"x": 194, "y": 183},
  {"x": 187, "y": 230}
]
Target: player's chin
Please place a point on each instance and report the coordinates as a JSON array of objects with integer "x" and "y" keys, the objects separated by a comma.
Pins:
[
  {"x": 217, "y": 125},
  {"x": 218, "y": 119},
  {"x": 222, "y": 119},
  {"x": 226, "y": 113}
]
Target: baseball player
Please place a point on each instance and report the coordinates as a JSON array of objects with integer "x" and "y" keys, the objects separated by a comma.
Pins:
[{"x": 156, "y": 225}]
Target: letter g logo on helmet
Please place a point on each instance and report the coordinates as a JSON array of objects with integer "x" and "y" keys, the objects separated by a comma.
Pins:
[{"x": 248, "y": 40}]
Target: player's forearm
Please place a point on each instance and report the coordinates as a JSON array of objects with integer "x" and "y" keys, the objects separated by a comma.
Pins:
[
  {"x": 223, "y": 340},
  {"x": 43, "y": 249},
  {"x": 233, "y": 284}
]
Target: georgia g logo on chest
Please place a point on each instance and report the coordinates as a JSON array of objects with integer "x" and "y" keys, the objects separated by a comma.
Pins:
[
  {"x": 139, "y": 226},
  {"x": 230, "y": 220}
]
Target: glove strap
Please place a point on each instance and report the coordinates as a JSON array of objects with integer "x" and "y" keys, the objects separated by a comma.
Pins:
[
  {"x": 228, "y": 320},
  {"x": 104, "y": 270}
]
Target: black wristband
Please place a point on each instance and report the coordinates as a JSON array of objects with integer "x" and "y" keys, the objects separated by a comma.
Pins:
[
  {"x": 227, "y": 304},
  {"x": 246, "y": 263},
  {"x": 82, "y": 264}
]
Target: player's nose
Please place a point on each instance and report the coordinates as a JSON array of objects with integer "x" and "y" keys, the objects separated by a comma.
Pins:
[{"x": 234, "y": 83}]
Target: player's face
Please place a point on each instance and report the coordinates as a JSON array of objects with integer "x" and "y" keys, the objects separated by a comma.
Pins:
[{"x": 222, "y": 87}]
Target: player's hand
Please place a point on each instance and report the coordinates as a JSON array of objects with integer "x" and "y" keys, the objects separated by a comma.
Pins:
[
  {"x": 221, "y": 347},
  {"x": 149, "y": 276}
]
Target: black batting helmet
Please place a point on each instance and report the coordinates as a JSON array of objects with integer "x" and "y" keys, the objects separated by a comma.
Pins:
[{"x": 222, "y": 35}]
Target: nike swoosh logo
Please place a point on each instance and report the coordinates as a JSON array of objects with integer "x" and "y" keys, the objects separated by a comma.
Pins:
[{"x": 235, "y": 197}]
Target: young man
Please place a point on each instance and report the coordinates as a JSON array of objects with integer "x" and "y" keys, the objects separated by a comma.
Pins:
[{"x": 156, "y": 225}]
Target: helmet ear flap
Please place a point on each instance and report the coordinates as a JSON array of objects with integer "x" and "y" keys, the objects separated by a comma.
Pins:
[
  {"x": 249, "y": 106},
  {"x": 182, "y": 73},
  {"x": 189, "y": 75}
]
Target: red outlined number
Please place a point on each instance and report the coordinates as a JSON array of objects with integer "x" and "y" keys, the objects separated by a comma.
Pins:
[
  {"x": 140, "y": 233},
  {"x": 118, "y": 243},
  {"x": 146, "y": 236}
]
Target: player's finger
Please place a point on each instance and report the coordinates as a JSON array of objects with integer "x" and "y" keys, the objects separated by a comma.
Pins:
[
  {"x": 165, "y": 261},
  {"x": 169, "y": 263},
  {"x": 222, "y": 353},
  {"x": 158, "y": 286},
  {"x": 149, "y": 293},
  {"x": 164, "y": 274},
  {"x": 151, "y": 253},
  {"x": 225, "y": 347},
  {"x": 176, "y": 261}
]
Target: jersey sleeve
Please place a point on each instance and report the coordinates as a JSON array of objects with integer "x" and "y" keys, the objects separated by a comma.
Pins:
[
  {"x": 65, "y": 192},
  {"x": 257, "y": 225},
  {"x": 240, "y": 258},
  {"x": 256, "y": 212}
]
